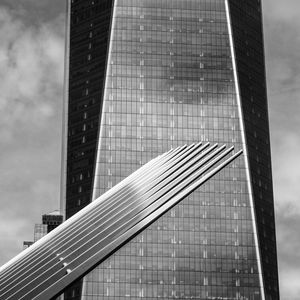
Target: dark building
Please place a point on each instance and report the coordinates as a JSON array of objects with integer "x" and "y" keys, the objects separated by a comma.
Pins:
[
  {"x": 148, "y": 75},
  {"x": 49, "y": 222},
  {"x": 27, "y": 244},
  {"x": 52, "y": 220}
]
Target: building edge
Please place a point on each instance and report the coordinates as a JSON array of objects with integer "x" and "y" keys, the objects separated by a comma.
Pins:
[
  {"x": 268, "y": 122},
  {"x": 94, "y": 194},
  {"x": 64, "y": 142},
  {"x": 247, "y": 28},
  {"x": 245, "y": 155}
]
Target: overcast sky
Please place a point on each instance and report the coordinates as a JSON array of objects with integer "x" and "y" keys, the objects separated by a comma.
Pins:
[{"x": 31, "y": 83}]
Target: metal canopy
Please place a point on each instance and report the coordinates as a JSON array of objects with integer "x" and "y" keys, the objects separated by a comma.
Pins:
[{"x": 85, "y": 240}]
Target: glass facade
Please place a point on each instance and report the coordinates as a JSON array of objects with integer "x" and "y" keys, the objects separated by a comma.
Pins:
[
  {"x": 167, "y": 78},
  {"x": 40, "y": 230}
]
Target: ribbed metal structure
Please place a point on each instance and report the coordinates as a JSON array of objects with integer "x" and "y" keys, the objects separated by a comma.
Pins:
[{"x": 90, "y": 236}]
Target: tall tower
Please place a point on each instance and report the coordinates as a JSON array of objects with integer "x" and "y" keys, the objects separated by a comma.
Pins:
[{"x": 148, "y": 75}]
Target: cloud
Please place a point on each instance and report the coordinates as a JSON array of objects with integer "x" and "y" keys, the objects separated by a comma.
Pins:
[
  {"x": 286, "y": 173},
  {"x": 287, "y": 10},
  {"x": 289, "y": 259},
  {"x": 283, "y": 70},
  {"x": 31, "y": 84},
  {"x": 35, "y": 12},
  {"x": 290, "y": 288},
  {"x": 282, "y": 42},
  {"x": 31, "y": 64}
]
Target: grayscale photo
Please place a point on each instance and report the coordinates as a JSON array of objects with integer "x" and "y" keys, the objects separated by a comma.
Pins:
[{"x": 149, "y": 149}]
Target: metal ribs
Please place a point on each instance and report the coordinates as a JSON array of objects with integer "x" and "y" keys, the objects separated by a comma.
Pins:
[{"x": 85, "y": 240}]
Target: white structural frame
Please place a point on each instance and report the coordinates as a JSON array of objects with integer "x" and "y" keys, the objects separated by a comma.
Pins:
[
  {"x": 97, "y": 162},
  {"x": 86, "y": 239}
]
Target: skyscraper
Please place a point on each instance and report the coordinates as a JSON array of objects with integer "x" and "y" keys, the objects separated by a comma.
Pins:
[
  {"x": 49, "y": 222},
  {"x": 52, "y": 220},
  {"x": 148, "y": 75}
]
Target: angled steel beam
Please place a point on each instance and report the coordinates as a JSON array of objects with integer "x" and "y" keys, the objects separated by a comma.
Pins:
[{"x": 97, "y": 231}]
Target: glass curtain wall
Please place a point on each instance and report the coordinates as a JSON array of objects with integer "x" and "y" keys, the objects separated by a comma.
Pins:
[{"x": 170, "y": 82}]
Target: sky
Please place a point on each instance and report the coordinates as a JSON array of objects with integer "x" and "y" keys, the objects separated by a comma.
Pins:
[{"x": 32, "y": 34}]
